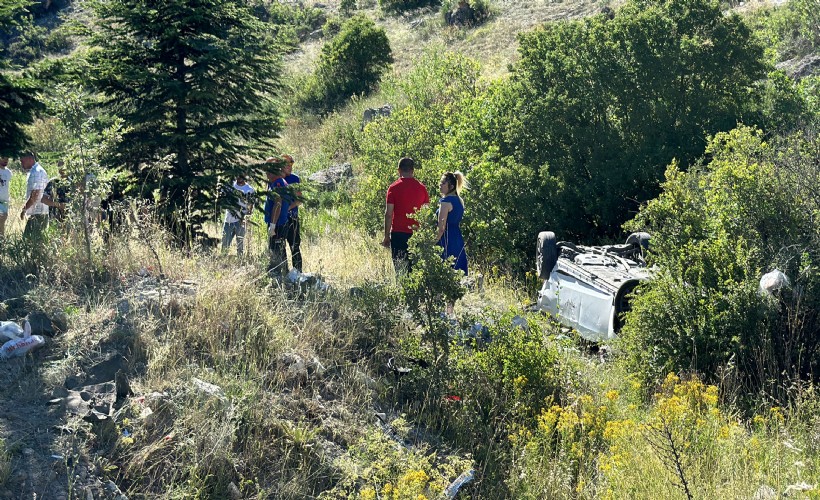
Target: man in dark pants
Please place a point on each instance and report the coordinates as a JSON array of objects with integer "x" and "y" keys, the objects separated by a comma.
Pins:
[
  {"x": 276, "y": 217},
  {"x": 293, "y": 230},
  {"x": 404, "y": 197}
]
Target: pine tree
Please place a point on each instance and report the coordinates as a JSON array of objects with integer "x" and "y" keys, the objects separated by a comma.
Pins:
[
  {"x": 195, "y": 82},
  {"x": 18, "y": 94}
]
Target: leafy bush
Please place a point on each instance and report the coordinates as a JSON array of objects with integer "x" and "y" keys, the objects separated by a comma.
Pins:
[
  {"x": 35, "y": 42},
  {"x": 481, "y": 10},
  {"x": 351, "y": 63},
  {"x": 303, "y": 20},
  {"x": 402, "y": 5},
  {"x": 715, "y": 230},
  {"x": 424, "y": 99},
  {"x": 501, "y": 388}
]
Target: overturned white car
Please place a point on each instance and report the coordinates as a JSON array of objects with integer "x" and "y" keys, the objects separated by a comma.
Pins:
[{"x": 588, "y": 287}]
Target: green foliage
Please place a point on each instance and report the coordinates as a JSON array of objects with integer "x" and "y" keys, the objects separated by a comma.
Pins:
[
  {"x": 715, "y": 230},
  {"x": 350, "y": 64},
  {"x": 195, "y": 95},
  {"x": 18, "y": 94},
  {"x": 375, "y": 467},
  {"x": 397, "y": 6},
  {"x": 425, "y": 99},
  {"x": 603, "y": 105},
  {"x": 793, "y": 29},
  {"x": 481, "y": 10},
  {"x": 35, "y": 42},
  {"x": 431, "y": 284},
  {"x": 347, "y": 7},
  {"x": 289, "y": 22},
  {"x": 501, "y": 388}
]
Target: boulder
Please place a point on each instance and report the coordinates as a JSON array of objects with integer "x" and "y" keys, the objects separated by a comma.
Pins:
[
  {"x": 801, "y": 67},
  {"x": 330, "y": 178}
]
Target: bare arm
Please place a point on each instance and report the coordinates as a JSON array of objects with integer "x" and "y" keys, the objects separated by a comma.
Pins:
[
  {"x": 31, "y": 201},
  {"x": 444, "y": 209},
  {"x": 277, "y": 209},
  {"x": 388, "y": 223}
]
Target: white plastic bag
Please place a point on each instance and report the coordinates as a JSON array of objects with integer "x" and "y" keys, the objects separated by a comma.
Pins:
[
  {"x": 10, "y": 330},
  {"x": 20, "y": 346}
]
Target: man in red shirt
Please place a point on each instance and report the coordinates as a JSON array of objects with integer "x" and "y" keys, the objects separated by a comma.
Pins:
[{"x": 404, "y": 197}]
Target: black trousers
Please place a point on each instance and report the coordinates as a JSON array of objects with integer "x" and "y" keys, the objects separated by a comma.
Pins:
[
  {"x": 398, "y": 247},
  {"x": 294, "y": 239},
  {"x": 278, "y": 256}
]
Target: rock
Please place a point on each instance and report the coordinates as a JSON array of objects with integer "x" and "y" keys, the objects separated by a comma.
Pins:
[
  {"x": 234, "y": 492},
  {"x": 60, "y": 321},
  {"x": 41, "y": 324},
  {"x": 801, "y": 67},
  {"x": 330, "y": 178},
  {"x": 207, "y": 388},
  {"x": 371, "y": 114},
  {"x": 107, "y": 370}
]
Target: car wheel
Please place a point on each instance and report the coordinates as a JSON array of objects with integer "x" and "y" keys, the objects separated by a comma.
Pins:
[
  {"x": 641, "y": 239},
  {"x": 546, "y": 254}
]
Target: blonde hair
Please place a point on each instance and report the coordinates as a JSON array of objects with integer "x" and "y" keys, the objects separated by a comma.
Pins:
[{"x": 458, "y": 180}]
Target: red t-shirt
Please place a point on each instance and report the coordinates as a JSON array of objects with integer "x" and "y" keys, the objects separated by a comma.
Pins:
[{"x": 406, "y": 195}]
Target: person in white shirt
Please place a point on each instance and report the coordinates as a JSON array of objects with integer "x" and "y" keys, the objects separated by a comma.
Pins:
[
  {"x": 235, "y": 217},
  {"x": 5, "y": 179},
  {"x": 33, "y": 207}
]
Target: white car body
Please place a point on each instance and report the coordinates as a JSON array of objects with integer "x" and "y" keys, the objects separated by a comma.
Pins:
[{"x": 588, "y": 288}]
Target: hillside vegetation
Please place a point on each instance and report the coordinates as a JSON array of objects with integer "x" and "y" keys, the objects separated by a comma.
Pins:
[{"x": 173, "y": 370}]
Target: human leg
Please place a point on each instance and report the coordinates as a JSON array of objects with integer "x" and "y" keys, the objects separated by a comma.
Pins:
[
  {"x": 240, "y": 238},
  {"x": 278, "y": 254},
  {"x": 228, "y": 230},
  {"x": 295, "y": 242},
  {"x": 398, "y": 247}
]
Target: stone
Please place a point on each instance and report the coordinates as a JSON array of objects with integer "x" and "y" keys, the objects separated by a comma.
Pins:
[
  {"x": 41, "y": 324},
  {"x": 330, "y": 178},
  {"x": 234, "y": 492}
]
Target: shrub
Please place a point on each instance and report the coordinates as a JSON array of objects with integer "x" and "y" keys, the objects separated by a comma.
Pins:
[
  {"x": 715, "y": 230},
  {"x": 481, "y": 10},
  {"x": 351, "y": 63},
  {"x": 425, "y": 100},
  {"x": 403, "y": 5}
]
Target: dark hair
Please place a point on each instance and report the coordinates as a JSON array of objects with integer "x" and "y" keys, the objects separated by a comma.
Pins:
[{"x": 406, "y": 165}]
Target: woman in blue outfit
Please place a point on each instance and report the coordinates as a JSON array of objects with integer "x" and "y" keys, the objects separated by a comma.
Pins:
[{"x": 450, "y": 213}]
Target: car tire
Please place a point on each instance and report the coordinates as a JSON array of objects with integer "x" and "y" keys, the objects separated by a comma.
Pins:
[
  {"x": 546, "y": 254},
  {"x": 641, "y": 239}
]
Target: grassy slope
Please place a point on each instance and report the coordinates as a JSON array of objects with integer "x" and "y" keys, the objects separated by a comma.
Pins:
[{"x": 284, "y": 434}]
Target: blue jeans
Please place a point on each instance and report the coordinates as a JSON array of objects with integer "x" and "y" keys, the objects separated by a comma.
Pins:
[{"x": 231, "y": 229}]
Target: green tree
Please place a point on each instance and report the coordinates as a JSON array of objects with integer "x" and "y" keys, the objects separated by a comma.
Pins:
[
  {"x": 715, "y": 230},
  {"x": 194, "y": 82},
  {"x": 18, "y": 94},
  {"x": 604, "y": 104},
  {"x": 352, "y": 63}
]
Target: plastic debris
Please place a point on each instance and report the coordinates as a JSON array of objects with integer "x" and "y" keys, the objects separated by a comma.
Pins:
[
  {"x": 451, "y": 491},
  {"x": 773, "y": 282},
  {"x": 10, "y": 330},
  {"x": 20, "y": 346}
]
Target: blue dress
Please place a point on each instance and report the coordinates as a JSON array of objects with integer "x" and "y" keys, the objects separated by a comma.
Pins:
[{"x": 452, "y": 241}]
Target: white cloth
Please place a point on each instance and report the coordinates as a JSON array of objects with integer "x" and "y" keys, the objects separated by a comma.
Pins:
[
  {"x": 230, "y": 217},
  {"x": 5, "y": 179},
  {"x": 37, "y": 180}
]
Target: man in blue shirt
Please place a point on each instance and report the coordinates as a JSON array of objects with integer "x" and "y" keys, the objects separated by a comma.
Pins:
[
  {"x": 293, "y": 229},
  {"x": 277, "y": 206}
]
